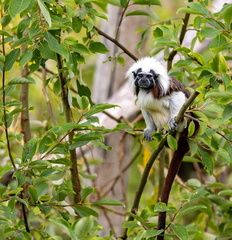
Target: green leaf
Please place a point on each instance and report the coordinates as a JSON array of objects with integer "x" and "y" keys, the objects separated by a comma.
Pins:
[
  {"x": 76, "y": 24},
  {"x": 138, "y": 12},
  {"x": 207, "y": 160},
  {"x": 17, "y": 6},
  {"x": 29, "y": 149},
  {"x": 45, "y": 12},
  {"x": 4, "y": 170},
  {"x": 84, "y": 211},
  {"x": 160, "y": 207},
  {"x": 80, "y": 48},
  {"x": 121, "y": 60},
  {"x": 55, "y": 46},
  {"x": 123, "y": 3},
  {"x": 222, "y": 64},
  {"x": 99, "y": 108},
  {"x": 152, "y": 233},
  {"x": 98, "y": 47},
  {"x": 84, "y": 91},
  {"x": 109, "y": 202},
  {"x": 23, "y": 201},
  {"x": 113, "y": 2},
  {"x": 83, "y": 102},
  {"x": 63, "y": 161},
  {"x": 65, "y": 226},
  {"x": 180, "y": 231},
  {"x": 22, "y": 80},
  {"x": 210, "y": 32},
  {"x": 5, "y": 20},
  {"x": 225, "y": 193},
  {"x": 223, "y": 153},
  {"x": 21, "y": 178},
  {"x": 85, "y": 192},
  {"x": 191, "y": 129},
  {"x": 198, "y": 193},
  {"x": 33, "y": 194},
  {"x": 172, "y": 143},
  {"x": 45, "y": 51},
  {"x": 190, "y": 210},
  {"x": 147, "y": 2},
  {"x": 25, "y": 58},
  {"x": 83, "y": 227},
  {"x": 82, "y": 139},
  {"x": 11, "y": 58},
  {"x": 199, "y": 58}
]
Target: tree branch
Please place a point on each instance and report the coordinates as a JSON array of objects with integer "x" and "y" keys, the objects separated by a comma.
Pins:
[
  {"x": 116, "y": 43},
  {"x": 68, "y": 115},
  {"x": 181, "y": 38},
  {"x": 152, "y": 159}
]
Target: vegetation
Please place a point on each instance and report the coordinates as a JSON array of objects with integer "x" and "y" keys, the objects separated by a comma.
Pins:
[{"x": 44, "y": 194}]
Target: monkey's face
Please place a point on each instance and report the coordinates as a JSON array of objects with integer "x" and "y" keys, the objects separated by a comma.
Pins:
[{"x": 145, "y": 80}]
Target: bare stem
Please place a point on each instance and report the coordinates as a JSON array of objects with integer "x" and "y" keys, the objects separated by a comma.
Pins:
[
  {"x": 181, "y": 38},
  {"x": 4, "y": 102},
  {"x": 116, "y": 43},
  {"x": 68, "y": 114}
]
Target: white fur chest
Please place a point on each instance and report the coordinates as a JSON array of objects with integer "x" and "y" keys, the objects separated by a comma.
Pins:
[
  {"x": 158, "y": 108},
  {"x": 148, "y": 102}
]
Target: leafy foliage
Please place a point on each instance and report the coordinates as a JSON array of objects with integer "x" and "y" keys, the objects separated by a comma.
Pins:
[{"x": 38, "y": 202}]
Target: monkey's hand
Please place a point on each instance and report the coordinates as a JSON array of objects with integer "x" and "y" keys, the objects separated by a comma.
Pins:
[
  {"x": 147, "y": 134},
  {"x": 172, "y": 125}
]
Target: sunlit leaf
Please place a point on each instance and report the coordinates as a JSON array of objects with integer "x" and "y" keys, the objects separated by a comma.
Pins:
[
  {"x": 180, "y": 231},
  {"x": 17, "y": 6},
  {"x": 45, "y": 12}
]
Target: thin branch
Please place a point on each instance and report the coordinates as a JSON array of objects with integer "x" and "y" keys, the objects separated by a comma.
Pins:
[
  {"x": 181, "y": 38},
  {"x": 124, "y": 170},
  {"x": 4, "y": 102},
  {"x": 69, "y": 118},
  {"x": 49, "y": 106},
  {"x": 121, "y": 18},
  {"x": 222, "y": 135},
  {"x": 116, "y": 43}
]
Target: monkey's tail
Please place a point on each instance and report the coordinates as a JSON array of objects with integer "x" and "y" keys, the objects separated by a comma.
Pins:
[{"x": 182, "y": 149}]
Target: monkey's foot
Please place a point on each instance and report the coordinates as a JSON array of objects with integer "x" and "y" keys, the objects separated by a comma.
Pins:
[
  {"x": 147, "y": 134},
  {"x": 172, "y": 125}
]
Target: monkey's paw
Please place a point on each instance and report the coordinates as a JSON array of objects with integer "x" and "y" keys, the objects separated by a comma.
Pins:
[
  {"x": 172, "y": 125},
  {"x": 147, "y": 134}
]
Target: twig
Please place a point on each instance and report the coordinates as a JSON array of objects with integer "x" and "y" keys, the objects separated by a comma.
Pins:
[
  {"x": 69, "y": 118},
  {"x": 49, "y": 106},
  {"x": 198, "y": 120},
  {"x": 124, "y": 169},
  {"x": 116, "y": 43},
  {"x": 121, "y": 154},
  {"x": 121, "y": 18},
  {"x": 181, "y": 38},
  {"x": 4, "y": 101}
]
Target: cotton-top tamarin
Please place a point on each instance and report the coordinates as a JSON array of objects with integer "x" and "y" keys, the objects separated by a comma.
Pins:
[{"x": 160, "y": 96}]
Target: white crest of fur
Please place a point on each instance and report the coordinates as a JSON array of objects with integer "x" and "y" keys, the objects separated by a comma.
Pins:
[{"x": 147, "y": 64}]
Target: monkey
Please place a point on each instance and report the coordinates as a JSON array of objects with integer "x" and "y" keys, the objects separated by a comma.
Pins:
[
  {"x": 159, "y": 95},
  {"x": 160, "y": 98}
]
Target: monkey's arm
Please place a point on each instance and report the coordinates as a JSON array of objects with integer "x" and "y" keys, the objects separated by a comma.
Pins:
[
  {"x": 177, "y": 100},
  {"x": 150, "y": 125}
]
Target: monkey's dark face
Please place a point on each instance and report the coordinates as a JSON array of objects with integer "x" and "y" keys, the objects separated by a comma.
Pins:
[{"x": 145, "y": 80}]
